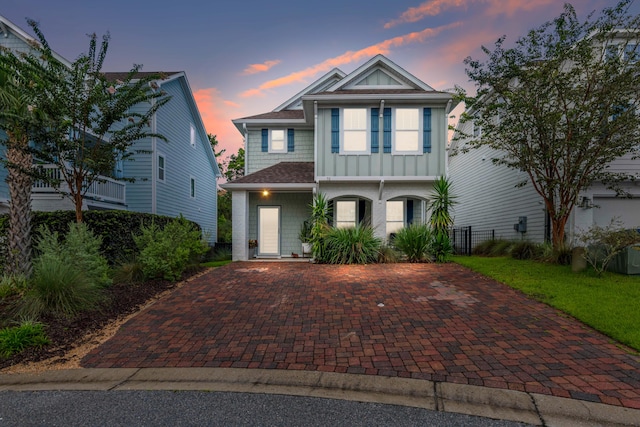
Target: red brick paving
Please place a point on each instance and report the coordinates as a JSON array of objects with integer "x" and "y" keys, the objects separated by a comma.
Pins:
[{"x": 424, "y": 321}]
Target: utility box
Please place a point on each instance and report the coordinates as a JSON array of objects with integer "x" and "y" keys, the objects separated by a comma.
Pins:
[
  {"x": 627, "y": 261},
  {"x": 521, "y": 225}
]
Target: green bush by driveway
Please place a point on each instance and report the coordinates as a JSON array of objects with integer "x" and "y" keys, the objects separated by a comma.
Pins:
[{"x": 609, "y": 304}]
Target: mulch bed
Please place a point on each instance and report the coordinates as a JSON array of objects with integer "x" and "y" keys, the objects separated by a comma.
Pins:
[{"x": 123, "y": 299}]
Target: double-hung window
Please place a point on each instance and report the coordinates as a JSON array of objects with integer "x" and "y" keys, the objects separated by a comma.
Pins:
[
  {"x": 395, "y": 216},
  {"x": 406, "y": 131},
  {"x": 277, "y": 142},
  {"x": 161, "y": 168},
  {"x": 192, "y": 135},
  {"x": 354, "y": 131}
]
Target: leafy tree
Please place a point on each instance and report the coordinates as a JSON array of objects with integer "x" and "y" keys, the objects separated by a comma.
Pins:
[
  {"x": 235, "y": 166},
  {"x": 93, "y": 122},
  {"x": 213, "y": 140},
  {"x": 561, "y": 105},
  {"x": 224, "y": 216},
  {"x": 22, "y": 75}
]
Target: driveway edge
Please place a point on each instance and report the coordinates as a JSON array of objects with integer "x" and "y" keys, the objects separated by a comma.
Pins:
[{"x": 495, "y": 403}]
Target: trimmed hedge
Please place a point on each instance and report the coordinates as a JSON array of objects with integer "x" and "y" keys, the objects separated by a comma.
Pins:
[{"x": 115, "y": 227}]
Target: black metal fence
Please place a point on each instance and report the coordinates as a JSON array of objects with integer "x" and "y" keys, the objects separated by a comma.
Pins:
[{"x": 464, "y": 239}]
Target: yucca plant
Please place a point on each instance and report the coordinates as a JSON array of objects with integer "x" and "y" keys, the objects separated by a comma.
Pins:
[
  {"x": 351, "y": 245},
  {"x": 320, "y": 215}
]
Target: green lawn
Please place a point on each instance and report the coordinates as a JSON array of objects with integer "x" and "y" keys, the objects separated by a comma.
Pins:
[
  {"x": 215, "y": 263},
  {"x": 610, "y": 304}
]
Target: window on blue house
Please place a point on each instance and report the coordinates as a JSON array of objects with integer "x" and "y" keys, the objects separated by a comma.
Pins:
[
  {"x": 192, "y": 188},
  {"x": 354, "y": 131},
  {"x": 346, "y": 213},
  {"x": 193, "y": 136},
  {"x": 406, "y": 132},
  {"x": 161, "y": 167},
  {"x": 395, "y": 216},
  {"x": 277, "y": 141}
]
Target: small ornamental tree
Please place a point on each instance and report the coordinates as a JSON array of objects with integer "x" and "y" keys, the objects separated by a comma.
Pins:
[
  {"x": 561, "y": 105},
  {"x": 92, "y": 121}
]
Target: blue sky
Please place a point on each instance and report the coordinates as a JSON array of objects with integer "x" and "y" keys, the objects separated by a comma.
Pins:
[{"x": 247, "y": 57}]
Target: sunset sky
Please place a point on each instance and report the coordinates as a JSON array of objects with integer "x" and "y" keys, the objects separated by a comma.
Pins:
[{"x": 247, "y": 57}]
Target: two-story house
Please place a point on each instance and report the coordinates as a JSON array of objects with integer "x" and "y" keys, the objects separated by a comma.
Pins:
[
  {"x": 173, "y": 177},
  {"x": 372, "y": 141}
]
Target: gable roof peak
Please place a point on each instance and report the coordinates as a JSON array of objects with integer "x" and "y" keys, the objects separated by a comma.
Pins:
[{"x": 321, "y": 84}]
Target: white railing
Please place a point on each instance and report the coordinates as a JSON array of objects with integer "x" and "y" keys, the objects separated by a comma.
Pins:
[{"x": 103, "y": 189}]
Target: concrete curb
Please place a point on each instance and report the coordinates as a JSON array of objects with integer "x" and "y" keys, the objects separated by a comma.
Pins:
[{"x": 495, "y": 403}]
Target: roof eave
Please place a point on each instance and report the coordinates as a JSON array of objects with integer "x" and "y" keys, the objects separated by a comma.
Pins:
[{"x": 280, "y": 186}]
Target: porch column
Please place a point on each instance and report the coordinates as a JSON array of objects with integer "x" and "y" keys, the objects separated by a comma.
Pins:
[
  {"x": 379, "y": 218},
  {"x": 240, "y": 231}
]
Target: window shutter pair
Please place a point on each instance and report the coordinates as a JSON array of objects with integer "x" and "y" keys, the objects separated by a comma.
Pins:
[{"x": 290, "y": 140}]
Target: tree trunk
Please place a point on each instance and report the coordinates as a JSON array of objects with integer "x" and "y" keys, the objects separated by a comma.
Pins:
[
  {"x": 77, "y": 197},
  {"x": 557, "y": 231},
  {"x": 19, "y": 244}
]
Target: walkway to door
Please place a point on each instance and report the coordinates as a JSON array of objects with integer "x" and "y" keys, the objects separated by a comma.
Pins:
[{"x": 424, "y": 321}]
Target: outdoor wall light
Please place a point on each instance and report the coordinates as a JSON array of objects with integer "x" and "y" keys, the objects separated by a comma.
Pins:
[{"x": 265, "y": 193}]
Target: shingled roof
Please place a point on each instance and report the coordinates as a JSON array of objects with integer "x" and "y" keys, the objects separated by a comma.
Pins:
[
  {"x": 284, "y": 114},
  {"x": 281, "y": 173}
]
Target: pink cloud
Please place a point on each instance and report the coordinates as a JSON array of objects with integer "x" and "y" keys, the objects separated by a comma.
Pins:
[
  {"x": 494, "y": 7},
  {"x": 260, "y": 68},
  {"x": 383, "y": 47},
  {"x": 216, "y": 115}
]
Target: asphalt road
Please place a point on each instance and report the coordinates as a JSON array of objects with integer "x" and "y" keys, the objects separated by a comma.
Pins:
[{"x": 191, "y": 408}]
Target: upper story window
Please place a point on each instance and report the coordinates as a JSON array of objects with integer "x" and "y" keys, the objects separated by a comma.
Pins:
[
  {"x": 406, "y": 135},
  {"x": 354, "y": 131},
  {"x": 277, "y": 141},
  {"x": 192, "y": 135},
  {"x": 630, "y": 53},
  {"x": 192, "y": 187}
]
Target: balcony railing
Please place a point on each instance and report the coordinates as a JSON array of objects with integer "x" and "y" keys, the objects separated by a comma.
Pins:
[{"x": 104, "y": 189}]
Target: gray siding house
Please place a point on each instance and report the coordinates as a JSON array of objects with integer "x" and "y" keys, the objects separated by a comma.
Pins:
[
  {"x": 372, "y": 141},
  {"x": 176, "y": 177},
  {"x": 489, "y": 200}
]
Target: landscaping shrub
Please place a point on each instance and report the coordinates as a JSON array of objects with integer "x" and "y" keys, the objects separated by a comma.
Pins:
[
  {"x": 18, "y": 338},
  {"x": 129, "y": 272},
  {"x": 414, "y": 242},
  {"x": 116, "y": 228},
  {"x": 352, "y": 245},
  {"x": 501, "y": 248},
  {"x": 60, "y": 289},
  {"x": 320, "y": 214},
  {"x": 12, "y": 285},
  {"x": 387, "y": 254},
  {"x": 441, "y": 248},
  {"x": 602, "y": 244},
  {"x": 484, "y": 248},
  {"x": 525, "y": 250},
  {"x": 168, "y": 252}
]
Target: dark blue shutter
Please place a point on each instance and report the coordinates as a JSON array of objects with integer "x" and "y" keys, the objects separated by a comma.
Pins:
[
  {"x": 409, "y": 212},
  {"x": 386, "y": 123},
  {"x": 335, "y": 130},
  {"x": 265, "y": 140},
  {"x": 426, "y": 138},
  {"x": 375, "y": 125},
  {"x": 290, "y": 144}
]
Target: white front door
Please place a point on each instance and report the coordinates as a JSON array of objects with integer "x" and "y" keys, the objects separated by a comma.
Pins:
[{"x": 269, "y": 230}]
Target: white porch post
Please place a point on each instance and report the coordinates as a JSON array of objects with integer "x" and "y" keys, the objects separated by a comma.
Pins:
[
  {"x": 240, "y": 231},
  {"x": 379, "y": 218}
]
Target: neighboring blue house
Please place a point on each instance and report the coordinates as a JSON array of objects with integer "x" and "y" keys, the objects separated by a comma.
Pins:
[
  {"x": 175, "y": 177},
  {"x": 372, "y": 141}
]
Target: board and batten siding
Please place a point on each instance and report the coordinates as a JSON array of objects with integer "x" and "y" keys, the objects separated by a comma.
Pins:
[
  {"x": 182, "y": 162},
  {"x": 488, "y": 199},
  {"x": 382, "y": 164},
  {"x": 256, "y": 159}
]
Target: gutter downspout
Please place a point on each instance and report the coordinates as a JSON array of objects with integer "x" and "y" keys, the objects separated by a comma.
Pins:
[
  {"x": 245, "y": 137},
  {"x": 315, "y": 147},
  {"x": 447, "y": 110},
  {"x": 154, "y": 160}
]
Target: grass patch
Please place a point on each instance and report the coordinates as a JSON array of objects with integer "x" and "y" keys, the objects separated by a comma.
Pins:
[
  {"x": 608, "y": 304},
  {"x": 215, "y": 263}
]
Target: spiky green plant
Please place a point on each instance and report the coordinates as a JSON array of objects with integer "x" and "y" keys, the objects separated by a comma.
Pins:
[
  {"x": 320, "y": 215},
  {"x": 414, "y": 242},
  {"x": 351, "y": 245}
]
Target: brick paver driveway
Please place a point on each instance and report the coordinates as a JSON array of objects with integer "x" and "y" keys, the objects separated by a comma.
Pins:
[{"x": 425, "y": 321}]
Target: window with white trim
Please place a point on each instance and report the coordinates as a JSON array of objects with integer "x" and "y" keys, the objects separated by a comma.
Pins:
[
  {"x": 395, "y": 216},
  {"x": 406, "y": 131},
  {"x": 354, "y": 131},
  {"x": 277, "y": 141},
  {"x": 161, "y": 168},
  {"x": 192, "y": 187},
  {"x": 192, "y": 135},
  {"x": 346, "y": 213}
]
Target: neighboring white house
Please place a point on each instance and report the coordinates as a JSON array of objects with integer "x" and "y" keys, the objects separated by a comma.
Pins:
[
  {"x": 489, "y": 200},
  {"x": 174, "y": 177},
  {"x": 373, "y": 141}
]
